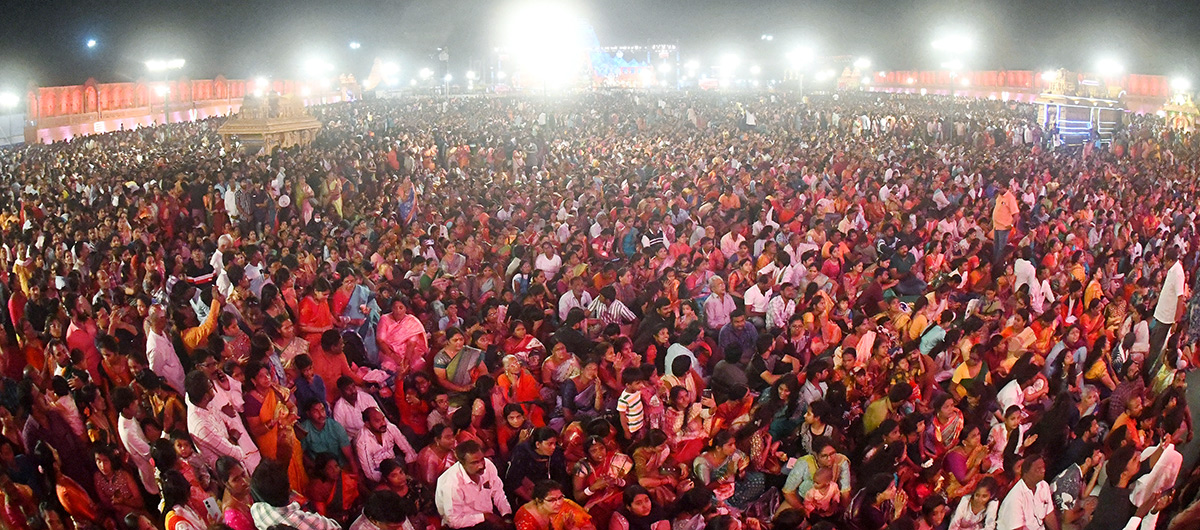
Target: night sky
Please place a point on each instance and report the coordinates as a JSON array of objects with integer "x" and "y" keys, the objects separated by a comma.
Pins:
[{"x": 43, "y": 41}]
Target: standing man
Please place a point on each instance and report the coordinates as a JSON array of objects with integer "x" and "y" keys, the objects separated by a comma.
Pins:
[
  {"x": 1171, "y": 300},
  {"x": 470, "y": 493},
  {"x": 1004, "y": 217}
]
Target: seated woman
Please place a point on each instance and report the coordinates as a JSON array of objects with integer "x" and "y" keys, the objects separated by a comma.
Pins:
[
  {"x": 687, "y": 425},
  {"x": 600, "y": 477},
  {"x": 397, "y": 480},
  {"x": 638, "y": 512},
  {"x": 963, "y": 467},
  {"x": 653, "y": 468},
  {"x": 722, "y": 468},
  {"x": 551, "y": 510},
  {"x": 332, "y": 490},
  {"x": 518, "y": 386}
]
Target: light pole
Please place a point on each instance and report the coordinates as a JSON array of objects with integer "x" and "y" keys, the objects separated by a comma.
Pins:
[{"x": 156, "y": 65}]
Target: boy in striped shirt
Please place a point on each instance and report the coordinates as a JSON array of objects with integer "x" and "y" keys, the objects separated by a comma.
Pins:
[{"x": 629, "y": 404}]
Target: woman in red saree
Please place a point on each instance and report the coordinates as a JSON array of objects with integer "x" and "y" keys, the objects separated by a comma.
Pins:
[
  {"x": 519, "y": 387},
  {"x": 315, "y": 315},
  {"x": 270, "y": 418},
  {"x": 687, "y": 425},
  {"x": 333, "y": 491},
  {"x": 523, "y": 345},
  {"x": 401, "y": 339},
  {"x": 1092, "y": 323},
  {"x": 600, "y": 477}
]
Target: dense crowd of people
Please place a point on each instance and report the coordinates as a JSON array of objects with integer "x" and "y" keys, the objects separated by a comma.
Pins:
[{"x": 611, "y": 311}]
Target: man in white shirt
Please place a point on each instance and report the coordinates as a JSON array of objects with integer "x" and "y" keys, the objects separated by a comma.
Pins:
[
  {"x": 132, "y": 438},
  {"x": 160, "y": 352},
  {"x": 349, "y": 410},
  {"x": 215, "y": 433},
  {"x": 575, "y": 297},
  {"x": 378, "y": 442},
  {"x": 548, "y": 262},
  {"x": 1028, "y": 505},
  {"x": 470, "y": 493},
  {"x": 756, "y": 299},
  {"x": 1171, "y": 301}
]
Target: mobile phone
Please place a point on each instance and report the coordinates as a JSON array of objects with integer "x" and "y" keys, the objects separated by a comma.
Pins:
[{"x": 706, "y": 393}]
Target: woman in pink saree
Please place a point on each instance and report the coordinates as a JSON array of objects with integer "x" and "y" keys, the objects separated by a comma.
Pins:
[{"x": 403, "y": 345}]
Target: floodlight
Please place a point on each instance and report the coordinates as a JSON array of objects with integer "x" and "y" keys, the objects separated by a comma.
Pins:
[
  {"x": 425, "y": 73},
  {"x": 354, "y": 45},
  {"x": 1181, "y": 84},
  {"x": 755, "y": 70},
  {"x": 91, "y": 43},
  {"x": 862, "y": 63},
  {"x": 1049, "y": 75},
  {"x": 9, "y": 100},
  {"x": 1109, "y": 66}
]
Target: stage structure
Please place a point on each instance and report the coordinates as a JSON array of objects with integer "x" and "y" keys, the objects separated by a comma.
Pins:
[
  {"x": 1080, "y": 109},
  {"x": 268, "y": 122}
]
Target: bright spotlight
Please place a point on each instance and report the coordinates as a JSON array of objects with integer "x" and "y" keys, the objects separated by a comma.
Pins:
[
  {"x": 965, "y": 82},
  {"x": 354, "y": 45},
  {"x": 953, "y": 65},
  {"x": 448, "y": 78},
  {"x": 910, "y": 81},
  {"x": 91, "y": 43},
  {"x": 305, "y": 91},
  {"x": 825, "y": 75},
  {"x": 729, "y": 63},
  {"x": 260, "y": 82},
  {"x": 391, "y": 68},
  {"x": 425, "y": 73},
  {"x": 501, "y": 75},
  {"x": 755, "y": 70},
  {"x": 665, "y": 68},
  {"x": 692, "y": 65},
  {"x": 555, "y": 53},
  {"x": 767, "y": 37},
  {"x": 862, "y": 63},
  {"x": 159, "y": 65},
  {"x": 9, "y": 100},
  {"x": 1180, "y": 84},
  {"x": 471, "y": 75},
  {"x": 1109, "y": 66},
  {"x": 866, "y": 80},
  {"x": 162, "y": 90},
  {"x": 317, "y": 67},
  {"x": 1049, "y": 75},
  {"x": 954, "y": 43},
  {"x": 801, "y": 57}
]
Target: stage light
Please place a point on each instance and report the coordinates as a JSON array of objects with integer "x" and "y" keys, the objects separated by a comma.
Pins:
[
  {"x": 767, "y": 37},
  {"x": 954, "y": 42},
  {"x": 448, "y": 78},
  {"x": 692, "y": 65},
  {"x": 1109, "y": 66},
  {"x": 425, "y": 73},
  {"x": 1180, "y": 84},
  {"x": 862, "y": 63},
  {"x": 501, "y": 75},
  {"x": 391, "y": 68},
  {"x": 866, "y": 80},
  {"x": 965, "y": 82},
  {"x": 354, "y": 45},
  {"x": 305, "y": 91},
  {"x": 260, "y": 82},
  {"x": 9, "y": 100},
  {"x": 159, "y": 65},
  {"x": 555, "y": 53},
  {"x": 162, "y": 90},
  {"x": 755, "y": 70},
  {"x": 953, "y": 65},
  {"x": 1049, "y": 75},
  {"x": 470, "y": 75},
  {"x": 316, "y": 67},
  {"x": 910, "y": 81},
  {"x": 91, "y": 43},
  {"x": 801, "y": 57},
  {"x": 665, "y": 68},
  {"x": 729, "y": 61}
]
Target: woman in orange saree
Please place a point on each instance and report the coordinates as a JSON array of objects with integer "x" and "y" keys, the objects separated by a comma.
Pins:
[
  {"x": 271, "y": 417},
  {"x": 519, "y": 387}
]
